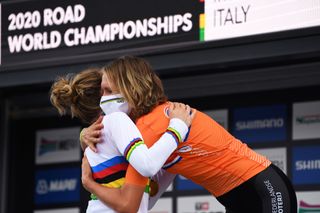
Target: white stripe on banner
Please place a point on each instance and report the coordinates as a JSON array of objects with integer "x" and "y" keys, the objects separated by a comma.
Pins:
[{"x": 236, "y": 18}]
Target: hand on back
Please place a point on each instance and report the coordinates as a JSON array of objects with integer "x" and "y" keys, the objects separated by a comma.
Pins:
[
  {"x": 181, "y": 111},
  {"x": 92, "y": 135}
]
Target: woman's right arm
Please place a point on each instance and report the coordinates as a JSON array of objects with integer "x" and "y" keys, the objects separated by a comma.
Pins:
[{"x": 129, "y": 141}]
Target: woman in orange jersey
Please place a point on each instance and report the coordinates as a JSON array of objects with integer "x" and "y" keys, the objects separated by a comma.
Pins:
[{"x": 241, "y": 179}]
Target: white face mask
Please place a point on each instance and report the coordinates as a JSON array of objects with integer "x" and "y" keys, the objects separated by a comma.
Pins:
[{"x": 114, "y": 103}]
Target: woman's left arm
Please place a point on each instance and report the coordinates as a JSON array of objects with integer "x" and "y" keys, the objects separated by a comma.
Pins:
[{"x": 127, "y": 199}]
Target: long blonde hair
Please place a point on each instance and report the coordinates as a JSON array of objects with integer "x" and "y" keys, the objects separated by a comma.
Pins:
[
  {"x": 137, "y": 82},
  {"x": 78, "y": 94}
]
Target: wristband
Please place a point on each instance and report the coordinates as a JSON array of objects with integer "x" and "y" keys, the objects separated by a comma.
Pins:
[{"x": 81, "y": 135}]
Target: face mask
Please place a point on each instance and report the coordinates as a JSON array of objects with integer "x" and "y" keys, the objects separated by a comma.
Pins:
[{"x": 114, "y": 103}]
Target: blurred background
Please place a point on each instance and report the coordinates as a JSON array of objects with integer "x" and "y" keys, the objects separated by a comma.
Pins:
[{"x": 254, "y": 66}]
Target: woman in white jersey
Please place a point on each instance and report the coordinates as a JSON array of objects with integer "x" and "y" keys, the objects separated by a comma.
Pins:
[{"x": 122, "y": 142}]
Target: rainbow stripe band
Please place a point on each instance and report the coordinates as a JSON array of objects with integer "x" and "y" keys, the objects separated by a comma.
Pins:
[
  {"x": 175, "y": 134},
  {"x": 112, "y": 177},
  {"x": 110, "y": 170},
  {"x": 132, "y": 146},
  {"x": 115, "y": 184},
  {"x": 113, "y": 99},
  {"x": 94, "y": 197},
  {"x": 110, "y": 185}
]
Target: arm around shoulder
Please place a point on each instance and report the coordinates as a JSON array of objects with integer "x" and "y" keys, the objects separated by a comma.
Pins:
[{"x": 121, "y": 200}]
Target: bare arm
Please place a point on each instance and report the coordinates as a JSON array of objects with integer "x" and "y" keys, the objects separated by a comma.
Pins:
[{"x": 127, "y": 199}]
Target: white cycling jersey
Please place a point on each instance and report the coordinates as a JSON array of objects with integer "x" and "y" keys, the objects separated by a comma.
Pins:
[{"x": 122, "y": 144}]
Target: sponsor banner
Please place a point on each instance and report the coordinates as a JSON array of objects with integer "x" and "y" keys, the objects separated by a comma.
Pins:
[
  {"x": 260, "y": 124},
  {"x": 163, "y": 205},
  {"x": 57, "y": 145},
  {"x": 235, "y": 18},
  {"x": 220, "y": 116},
  {"x": 308, "y": 202},
  {"x": 183, "y": 183},
  {"x": 306, "y": 165},
  {"x": 64, "y": 210},
  {"x": 306, "y": 120},
  {"x": 57, "y": 186},
  {"x": 199, "y": 204},
  {"x": 41, "y": 30},
  {"x": 278, "y": 156}
]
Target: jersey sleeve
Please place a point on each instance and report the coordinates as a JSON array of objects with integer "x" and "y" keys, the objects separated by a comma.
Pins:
[{"x": 129, "y": 141}]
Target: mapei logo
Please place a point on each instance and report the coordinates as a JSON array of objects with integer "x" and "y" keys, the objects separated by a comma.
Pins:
[
  {"x": 57, "y": 185},
  {"x": 44, "y": 186}
]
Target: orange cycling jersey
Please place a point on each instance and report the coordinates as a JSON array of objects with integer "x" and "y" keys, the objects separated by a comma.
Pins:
[{"x": 210, "y": 155}]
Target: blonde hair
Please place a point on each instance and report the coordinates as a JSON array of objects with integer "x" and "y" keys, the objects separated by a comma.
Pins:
[
  {"x": 137, "y": 82},
  {"x": 78, "y": 94}
]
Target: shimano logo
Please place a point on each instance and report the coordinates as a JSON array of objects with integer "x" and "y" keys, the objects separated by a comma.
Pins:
[
  {"x": 307, "y": 165},
  {"x": 44, "y": 186},
  {"x": 260, "y": 124}
]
